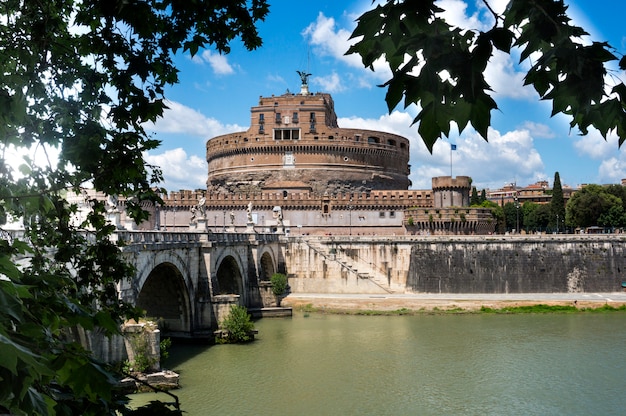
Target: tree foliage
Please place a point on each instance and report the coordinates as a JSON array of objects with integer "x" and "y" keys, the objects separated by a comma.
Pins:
[
  {"x": 474, "y": 198},
  {"x": 79, "y": 80},
  {"x": 593, "y": 205},
  {"x": 279, "y": 284},
  {"x": 512, "y": 216},
  {"x": 536, "y": 216},
  {"x": 441, "y": 68},
  {"x": 239, "y": 325},
  {"x": 557, "y": 203}
]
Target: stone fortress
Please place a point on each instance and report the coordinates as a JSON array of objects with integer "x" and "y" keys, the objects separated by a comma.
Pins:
[
  {"x": 331, "y": 208},
  {"x": 295, "y": 171}
]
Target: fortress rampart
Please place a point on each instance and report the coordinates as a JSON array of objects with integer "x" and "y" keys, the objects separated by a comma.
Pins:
[{"x": 457, "y": 264}]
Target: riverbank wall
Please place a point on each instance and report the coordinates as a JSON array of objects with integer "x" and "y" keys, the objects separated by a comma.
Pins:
[{"x": 457, "y": 264}]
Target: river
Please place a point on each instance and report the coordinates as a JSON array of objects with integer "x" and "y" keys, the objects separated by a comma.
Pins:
[{"x": 553, "y": 364}]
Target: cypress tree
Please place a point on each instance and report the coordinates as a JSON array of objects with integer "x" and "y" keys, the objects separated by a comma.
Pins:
[
  {"x": 483, "y": 196},
  {"x": 557, "y": 204},
  {"x": 474, "y": 200}
]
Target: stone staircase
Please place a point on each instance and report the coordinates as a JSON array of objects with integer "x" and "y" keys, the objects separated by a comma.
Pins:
[{"x": 361, "y": 269}]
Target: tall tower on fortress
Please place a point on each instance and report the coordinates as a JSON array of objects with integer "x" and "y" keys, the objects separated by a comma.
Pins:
[{"x": 294, "y": 142}]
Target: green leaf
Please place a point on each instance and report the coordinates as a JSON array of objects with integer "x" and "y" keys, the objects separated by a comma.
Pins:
[
  {"x": 12, "y": 353},
  {"x": 501, "y": 38},
  {"x": 10, "y": 303}
]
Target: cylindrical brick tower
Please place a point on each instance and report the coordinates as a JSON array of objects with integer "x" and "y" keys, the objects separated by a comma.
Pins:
[
  {"x": 295, "y": 139},
  {"x": 451, "y": 192}
]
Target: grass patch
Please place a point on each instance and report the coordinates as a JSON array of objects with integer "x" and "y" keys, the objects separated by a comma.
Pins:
[
  {"x": 457, "y": 310},
  {"x": 606, "y": 308},
  {"x": 539, "y": 308}
]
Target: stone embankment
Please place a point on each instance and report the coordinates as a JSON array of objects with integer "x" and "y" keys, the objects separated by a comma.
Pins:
[
  {"x": 447, "y": 302},
  {"x": 386, "y": 265}
]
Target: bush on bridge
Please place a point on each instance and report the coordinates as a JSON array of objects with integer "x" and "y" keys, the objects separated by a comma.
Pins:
[
  {"x": 238, "y": 326},
  {"x": 279, "y": 284}
]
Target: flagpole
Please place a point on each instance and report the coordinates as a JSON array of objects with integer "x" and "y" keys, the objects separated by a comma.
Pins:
[{"x": 452, "y": 147}]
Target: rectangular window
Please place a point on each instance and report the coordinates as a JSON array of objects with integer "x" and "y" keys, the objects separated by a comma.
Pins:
[
  {"x": 381, "y": 214},
  {"x": 312, "y": 117},
  {"x": 392, "y": 214},
  {"x": 278, "y": 118},
  {"x": 295, "y": 118},
  {"x": 261, "y": 118},
  {"x": 286, "y": 134}
]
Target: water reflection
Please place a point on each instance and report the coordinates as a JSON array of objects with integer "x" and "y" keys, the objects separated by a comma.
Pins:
[{"x": 427, "y": 365}]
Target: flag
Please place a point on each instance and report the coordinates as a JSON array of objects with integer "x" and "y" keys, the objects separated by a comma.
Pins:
[{"x": 453, "y": 147}]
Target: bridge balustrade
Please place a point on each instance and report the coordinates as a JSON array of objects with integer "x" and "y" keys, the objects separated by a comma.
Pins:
[{"x": 152, "y": 237}]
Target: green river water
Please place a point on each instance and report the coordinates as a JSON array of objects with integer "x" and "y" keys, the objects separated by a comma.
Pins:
[{"x": 553, "y": 364}]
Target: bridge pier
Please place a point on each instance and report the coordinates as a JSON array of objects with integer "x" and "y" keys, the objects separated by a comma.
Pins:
[{"x": 221, "y": 306}]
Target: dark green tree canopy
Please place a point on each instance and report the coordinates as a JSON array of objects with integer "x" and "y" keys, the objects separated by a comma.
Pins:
[
  {"x": 592, "y": 206},
  {"x": 80, "y": 78},
  {"x": 441, "y": 68}
]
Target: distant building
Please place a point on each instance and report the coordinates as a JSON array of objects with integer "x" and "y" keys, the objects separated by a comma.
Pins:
[{"x": 538, "y": 193}]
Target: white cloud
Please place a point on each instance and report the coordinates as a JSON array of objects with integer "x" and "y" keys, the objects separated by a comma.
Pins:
[
  {"x": 455, "y": 14},
  {"x": 331, "y": 83},
  {"x": 179, "y": 170},
  {"x": 507, "y": 157},
  {"x": 184, "y": 120},
  {"x": 594, "y": 146},
  {"x": 612, "y": 170},
  {"x": 328, "y": 40},
  {"x": 505, "y": 80},
  {"x": 539, "y": 130},
  {"x": 218, "y": 62}
]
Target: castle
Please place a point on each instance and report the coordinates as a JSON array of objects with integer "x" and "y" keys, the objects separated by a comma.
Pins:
[{"x": 295, "y": 171}]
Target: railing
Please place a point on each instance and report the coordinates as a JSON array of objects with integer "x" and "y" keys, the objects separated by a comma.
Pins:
[
  {"x": 152, "y": 237},
  {"x": 344, "y": 239}
]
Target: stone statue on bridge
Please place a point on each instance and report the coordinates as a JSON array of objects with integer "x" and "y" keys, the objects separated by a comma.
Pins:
[
  {"x": 249, "y": 213},
  {"x": 201, "y": 208}
]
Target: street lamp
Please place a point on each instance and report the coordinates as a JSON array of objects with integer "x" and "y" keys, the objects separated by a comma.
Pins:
[
  {"x": 557, "y": 223},
  {"x": 516, "y": 212}
]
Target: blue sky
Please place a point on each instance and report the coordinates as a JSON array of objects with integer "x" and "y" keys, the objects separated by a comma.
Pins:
[{"x": 525, "y": 145}]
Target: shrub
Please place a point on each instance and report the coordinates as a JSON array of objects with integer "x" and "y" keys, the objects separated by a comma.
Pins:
[
  {"x": 279, "y": 284},
  {"x": 238, "y": 324},
  {"x": 164, "y": 348}
]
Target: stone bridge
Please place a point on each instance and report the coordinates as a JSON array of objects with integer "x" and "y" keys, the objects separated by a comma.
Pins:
[{"x": 189, "y": 280}]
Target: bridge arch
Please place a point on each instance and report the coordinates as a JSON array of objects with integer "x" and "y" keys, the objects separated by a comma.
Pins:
[
  {"x": 164, "y": 295},
  {"x": 229, "y": 277},
  {"x": 267, "y": 265}
]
